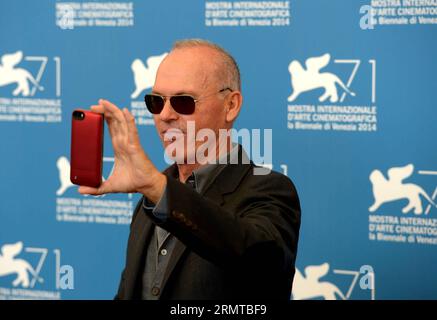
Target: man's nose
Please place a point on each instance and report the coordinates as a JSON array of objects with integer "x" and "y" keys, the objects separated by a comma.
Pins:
[{"x": 168, "y": 112}]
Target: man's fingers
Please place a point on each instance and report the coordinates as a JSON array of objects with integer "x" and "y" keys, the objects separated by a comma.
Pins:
[
  {"x": 98, "y": 109},
  {"x": 132, "y": 128},
  {"x": 88, "y": 190},
  {"x": 93, "y": 191},
  {"x": 113, "y": 112},
  {"x": 108, "y": 104}
]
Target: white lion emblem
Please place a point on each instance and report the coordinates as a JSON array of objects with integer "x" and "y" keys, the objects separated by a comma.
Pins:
[
  {"x": 310, "y": 286},
  {"x": 64, "y": 175},
  {"x": 20, "y": 76},
  {"x": 144, "y": 78},
  {"x": 392, "y": 189},
  {"x": 9, "y": 265},
  {"x": 305, "y": 80}
]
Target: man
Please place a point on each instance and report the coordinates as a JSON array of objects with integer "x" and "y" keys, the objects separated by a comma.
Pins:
[{"x": 201, "y": 230}]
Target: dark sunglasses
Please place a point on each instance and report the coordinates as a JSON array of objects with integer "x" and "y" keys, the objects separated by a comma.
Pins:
[{"x": 183, "y": 103}]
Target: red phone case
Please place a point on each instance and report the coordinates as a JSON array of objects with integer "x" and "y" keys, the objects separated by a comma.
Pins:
[{"x": 86, "y": 155}]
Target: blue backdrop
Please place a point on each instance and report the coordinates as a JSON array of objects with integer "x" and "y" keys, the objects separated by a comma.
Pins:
[{"x": 347, "y": 88}]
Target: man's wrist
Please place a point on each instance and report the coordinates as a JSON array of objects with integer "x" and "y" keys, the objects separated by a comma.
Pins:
[{"x": 155, "y": 191}]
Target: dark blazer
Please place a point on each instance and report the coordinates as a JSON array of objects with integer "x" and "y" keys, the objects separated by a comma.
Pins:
[{"x": 236, "y": 240}]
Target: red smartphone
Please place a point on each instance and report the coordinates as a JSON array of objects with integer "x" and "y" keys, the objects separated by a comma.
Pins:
[{"x": 86, "y": 154}]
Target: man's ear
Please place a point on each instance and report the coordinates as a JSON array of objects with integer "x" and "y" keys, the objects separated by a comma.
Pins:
[{"x": 233, "y": 105}]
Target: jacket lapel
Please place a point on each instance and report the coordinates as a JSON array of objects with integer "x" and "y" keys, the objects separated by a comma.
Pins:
[
  {"x": 137, "y": 254},
  {"x": 226, "y": 182}
]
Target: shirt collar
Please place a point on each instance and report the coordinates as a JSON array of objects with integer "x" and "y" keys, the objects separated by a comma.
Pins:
[{"x": 207, "y": 173}]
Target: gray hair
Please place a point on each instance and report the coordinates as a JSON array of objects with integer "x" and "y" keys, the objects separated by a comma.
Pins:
[{"x": 227, "y": 68}]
